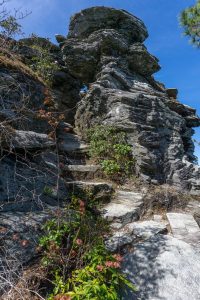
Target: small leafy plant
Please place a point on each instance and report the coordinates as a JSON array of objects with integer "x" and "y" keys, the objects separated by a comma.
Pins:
[
  {"x": 43, "y": 64},
  {"x": 109, "y": 147},
  {"x": 48, "y": 191},
  {"x": 76, "y": 259}
]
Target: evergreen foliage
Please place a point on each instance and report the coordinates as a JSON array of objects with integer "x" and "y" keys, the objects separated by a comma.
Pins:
[{"x": 190, "y": 20}]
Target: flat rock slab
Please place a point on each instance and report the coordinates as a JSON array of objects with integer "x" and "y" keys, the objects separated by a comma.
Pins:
[
  {"x": 69, "y": 142},
  {"x": 30, "y": 140},
  {"x": 184, "y": 227},
  {"x": 125, "y": 207},
  {"x": 163, "y": 268},
  {"x": 82, "y": 168},
  {"x": 146, "y": 229},
  {"x": 134, "y": 232},
  {"x": 82, "y": 172}
]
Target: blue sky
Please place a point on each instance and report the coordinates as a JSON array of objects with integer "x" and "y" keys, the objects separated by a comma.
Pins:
[{"x": 179, "y": 60}]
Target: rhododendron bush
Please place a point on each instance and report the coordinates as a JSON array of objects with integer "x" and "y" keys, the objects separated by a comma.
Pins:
[{"x": 78, "y": 264}]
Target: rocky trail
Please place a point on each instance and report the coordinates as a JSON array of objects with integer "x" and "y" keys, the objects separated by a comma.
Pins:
[
  {"x": 154, "y": 223},
  {"x": 124, "y": 209},
  {"x": 161, "y": 252}
]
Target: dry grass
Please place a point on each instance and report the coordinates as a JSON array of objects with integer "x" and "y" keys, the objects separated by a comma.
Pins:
[
  {"x": 12, "y": 61},
  {"x": 163, "y": 198},
  {"x": 29, "y": 285}
]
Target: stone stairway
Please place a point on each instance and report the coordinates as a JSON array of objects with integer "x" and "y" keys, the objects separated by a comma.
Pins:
[
  {"x": 82, "y": 172},
  {"x": 153, "y": 260},
  {"x": 122, "y": 208},
  {"x": 81, "y": 177}
]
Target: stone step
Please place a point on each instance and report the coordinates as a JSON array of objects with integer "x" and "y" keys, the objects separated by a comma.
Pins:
[
  {"x": 132, "y": 233},
  {"x": 101, "y": 191},
  {"x": 82, "y": 172},
  {"x": 81, "y": 160},
  {"x": 184, "y": 227},
  {"x": 72, "y": 145},
  {"x": 125, "y": 207}
]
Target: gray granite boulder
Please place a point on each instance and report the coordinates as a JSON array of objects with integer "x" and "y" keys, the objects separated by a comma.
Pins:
[
  {"x": 141, "y": 61},
  {"x": 30, "y": 140},
  {"x": 92, "y": 19}
]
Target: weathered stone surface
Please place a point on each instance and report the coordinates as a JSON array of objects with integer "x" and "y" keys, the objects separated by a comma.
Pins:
[
  {"x": 71, "y": 143},
  {"x": 158, "y": 218},
  {"x": 146, "y": 229},
  {"x": 110, "y": 56},
  {"x": 60, "y": 38},
  {"x": 65, "y": 88},
  {"x": 19, "y": 234},
  {"x": 125, "y": 207},
  {"x": 133, "y": 232},
  {"x": 30, "y": 183},
  {"x": 172, "y": 93},
  {"x": 193, "y": 207},
  {"x": 163, "y": 268},
  {"x": 141, "y": 61},
  {"x": 30, "y": 140},
  {"x": 184, "y": 227},
  {"x": 65, "y": 92},
  {"x": 21, "y": 96},
  {"x": 82, "y": 172},
  {"x": 92, "y": 19}
]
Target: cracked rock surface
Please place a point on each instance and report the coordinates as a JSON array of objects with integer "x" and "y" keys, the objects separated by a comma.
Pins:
[{"x": 104, "y": 49}]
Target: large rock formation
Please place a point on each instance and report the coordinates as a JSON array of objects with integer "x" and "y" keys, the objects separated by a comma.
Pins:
[
  {"x": 104, "y": 49},
  {"x": 39, "y": 171}
]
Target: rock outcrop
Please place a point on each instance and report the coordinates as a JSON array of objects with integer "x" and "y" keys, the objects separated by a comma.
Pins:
[
  {"x": 105, "y": 49},
  {"x": 43, "y": 161}
]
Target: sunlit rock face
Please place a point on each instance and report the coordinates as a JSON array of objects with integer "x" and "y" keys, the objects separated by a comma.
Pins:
[{"x": 105, "y": 49}]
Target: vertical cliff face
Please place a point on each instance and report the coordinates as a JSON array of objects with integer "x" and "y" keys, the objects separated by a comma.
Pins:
[{"x": 105, "y": 49}]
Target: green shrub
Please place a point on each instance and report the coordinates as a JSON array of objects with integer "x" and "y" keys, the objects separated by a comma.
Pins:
[
  {"x": 75, "y": 257},
  {"x": 109, "y": 147},
  {"x": 48, "y": 191},
  {"x": 43, "y": 64},
  {"x": 9, "y": 26},
  {"x": 110, "y": 167},
  {"x": 99, "y": 279}
]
